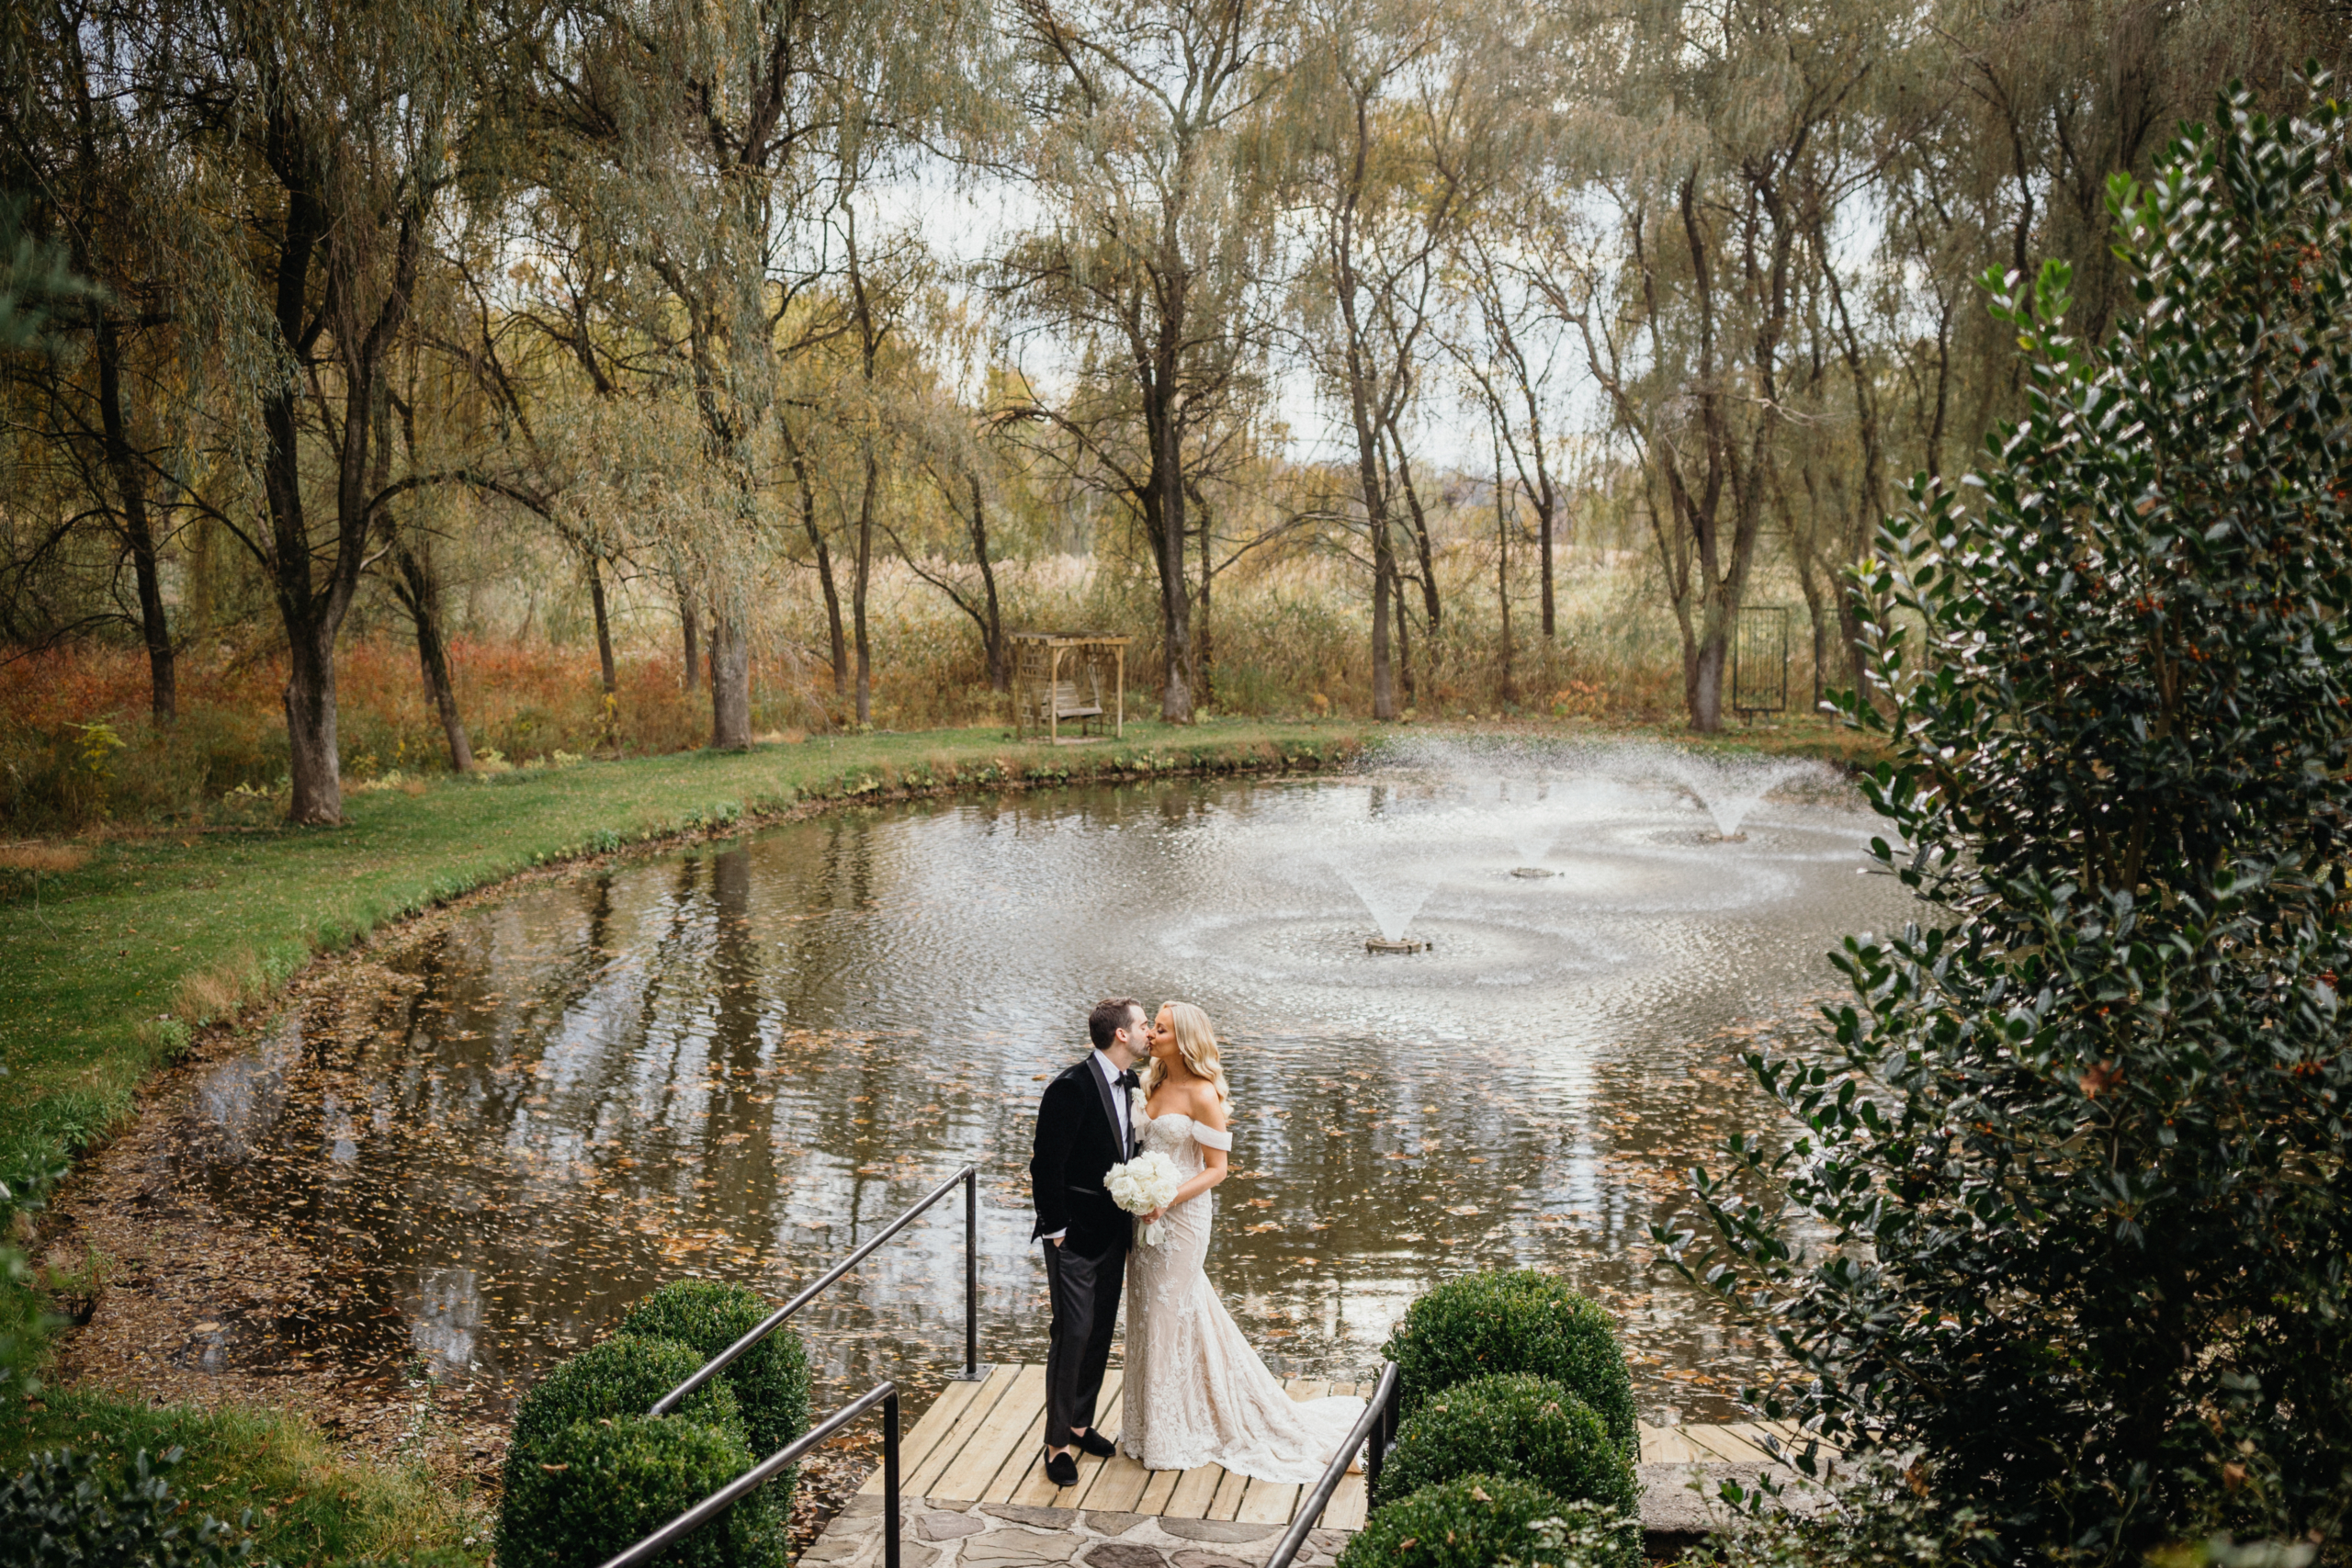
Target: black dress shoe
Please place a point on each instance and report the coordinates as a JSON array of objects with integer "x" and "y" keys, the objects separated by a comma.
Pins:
[
  {"x": 1095, "y": 1443},
  {"x": 1061, "y": 1470}
]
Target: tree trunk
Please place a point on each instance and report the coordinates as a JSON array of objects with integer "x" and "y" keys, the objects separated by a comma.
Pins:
[
  {"x": 992, "y": 633},
  {"x": 1544, "y": 550},
  {"x": 1164, "y": 521},
  {"x": 1503, "y": 570},
  {"x": 858, "y": 590},
  {"x": 690, "y": 628},
  {"x": 314, "y": 767},
  {"x": 1404, "y": 642},
  {"x": 1204, "y": 627},
  {"x": 840, "y": 644},
  {"x": 1704, "y": 687},
  {"x": 418, "y": 589},
  {"x": 730, "y": 684},
  {"x": 130, "y": 502},
  {"x": 604, "y": 626}
]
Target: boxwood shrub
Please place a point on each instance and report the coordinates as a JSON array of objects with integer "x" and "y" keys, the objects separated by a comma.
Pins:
[
  {"x": 1518, "y": 1321},
  {"x": 1472, "y": 1521},
  {"x": 597, "y": 1487},
  {"x": 1520, "y": 1427},
  {"x": 619, "y": 1376},
  {"x": 770, "y": 1381}
]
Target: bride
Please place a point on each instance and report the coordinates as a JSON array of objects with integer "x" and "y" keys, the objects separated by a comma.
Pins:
[{"x": 1196, "y": 1393}]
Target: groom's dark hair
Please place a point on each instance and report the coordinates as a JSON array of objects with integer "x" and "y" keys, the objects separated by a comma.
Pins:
[{"x": 1108, "y": 1018}]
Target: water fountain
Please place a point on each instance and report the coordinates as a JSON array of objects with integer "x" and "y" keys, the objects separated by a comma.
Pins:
[
  {"x": 1393, "y": 886},
  {"x": 1729, "y": 790}
]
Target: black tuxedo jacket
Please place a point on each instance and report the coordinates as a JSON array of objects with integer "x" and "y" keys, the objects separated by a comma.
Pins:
[{"x": 1077, "y": 1143}]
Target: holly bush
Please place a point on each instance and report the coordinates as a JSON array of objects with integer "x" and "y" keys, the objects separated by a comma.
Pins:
[
  {"x": 65, "y": 1510},
  {"x": 2077, "y": 1142}
]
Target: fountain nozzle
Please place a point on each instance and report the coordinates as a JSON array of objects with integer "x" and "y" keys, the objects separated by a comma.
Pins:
[{"x": 1394, "y": 944}]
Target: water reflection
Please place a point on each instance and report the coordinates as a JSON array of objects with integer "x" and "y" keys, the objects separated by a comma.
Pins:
[{"x": 740, "y": 1062}]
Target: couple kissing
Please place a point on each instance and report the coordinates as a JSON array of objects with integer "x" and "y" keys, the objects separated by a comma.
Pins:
[{"x": 1195, "y": 1392}]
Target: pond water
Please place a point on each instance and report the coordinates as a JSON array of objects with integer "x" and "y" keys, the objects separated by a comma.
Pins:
[{"x": 742, "y": 1059}]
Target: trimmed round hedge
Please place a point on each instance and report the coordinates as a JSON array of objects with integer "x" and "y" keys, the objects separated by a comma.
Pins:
[
  {"x": 601, "y": 1487},
  {"x": 1518, "y": 1321},
  {"x": 770, "y": 1381},
  {"x": 619, "y": 1376},
  {"x": 1472, "y": 1521},
  {"x": 1524, "y": 1429}
]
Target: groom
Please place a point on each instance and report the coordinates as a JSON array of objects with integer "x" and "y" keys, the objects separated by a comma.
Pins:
[{"x": 1082, "y": 1130}]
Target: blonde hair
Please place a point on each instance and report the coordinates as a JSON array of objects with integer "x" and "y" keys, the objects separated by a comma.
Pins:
[{"x": 1197, "y": 1042}]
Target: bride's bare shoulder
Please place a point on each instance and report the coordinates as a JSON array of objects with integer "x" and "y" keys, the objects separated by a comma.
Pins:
[{"x": 1203, "y": 1106}]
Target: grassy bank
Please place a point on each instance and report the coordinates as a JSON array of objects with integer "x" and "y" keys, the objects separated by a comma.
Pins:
[{"x": 121, "y": 945}]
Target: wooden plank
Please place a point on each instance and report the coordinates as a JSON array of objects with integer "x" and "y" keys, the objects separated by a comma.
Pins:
[
  {"x": 1338, "y": 1388},
  {"x": 915, "y": 1479},
  {"x": 1268, "y": 1501},
  {"x": 936, "y": 1423},
  {"x": 1724, "y": 1443},
  {"x": 1346, "y": 1510},
  {"x": 1016, "y": 1450},
  {"x": 1667, "y": 1445},
  {"x": 1017, "y": 1418},
  {"x": 1231, "y": 1490},
  {"x": 1035, "y": 1488},
  {"x": 1793, "y": 1438},
  {"x": 1195, "y": 1489},
  {"x": 1304, "y": 1389},
  {"x": 1157, "y": 1492},
  {"x": 1121, "y": 1484}
]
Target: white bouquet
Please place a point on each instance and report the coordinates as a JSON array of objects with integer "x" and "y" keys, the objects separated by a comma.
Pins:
[{"x": 1147, "y": 1183}]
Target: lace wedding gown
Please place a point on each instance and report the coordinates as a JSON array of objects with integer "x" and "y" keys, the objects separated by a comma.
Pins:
[{"x": 1195, "y": 1392}]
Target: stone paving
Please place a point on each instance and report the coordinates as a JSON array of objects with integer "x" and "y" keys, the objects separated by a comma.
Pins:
[{"x": 943, "y": 1534}]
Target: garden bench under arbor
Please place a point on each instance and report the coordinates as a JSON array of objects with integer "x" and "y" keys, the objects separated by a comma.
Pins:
[{"x": 1073, "y": 678}]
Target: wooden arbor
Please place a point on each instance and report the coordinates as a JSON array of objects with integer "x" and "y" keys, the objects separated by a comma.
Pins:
[{"x": 1069, "y": 678}]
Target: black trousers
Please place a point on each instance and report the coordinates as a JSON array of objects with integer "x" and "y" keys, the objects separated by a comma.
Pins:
[{"x": 1085, "y": 1295}]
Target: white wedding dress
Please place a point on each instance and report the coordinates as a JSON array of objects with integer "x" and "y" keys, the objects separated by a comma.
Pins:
[{"x": 1195, "y": 1392}]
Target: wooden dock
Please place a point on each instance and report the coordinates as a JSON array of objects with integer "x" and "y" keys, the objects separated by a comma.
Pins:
[{"x": 978, "y": 1444}]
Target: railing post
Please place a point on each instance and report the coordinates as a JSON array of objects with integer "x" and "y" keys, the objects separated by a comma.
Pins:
[
  {"x": 891, "y": 1480},
  {"x": 973, "y": 1371}
]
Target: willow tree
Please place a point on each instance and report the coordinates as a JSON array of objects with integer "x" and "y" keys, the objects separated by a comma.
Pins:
[
  {"x": 95, "y": 165},
  {"x": 1378, "y": 212},
  {"x": 319, "y": 145},
  {"x": 701, "y": 140},
  {"x": 1674, "y": 255},
  {"x": 1150, "y": 254}
]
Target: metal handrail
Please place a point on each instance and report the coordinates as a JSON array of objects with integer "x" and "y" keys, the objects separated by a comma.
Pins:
[
  {"x": 726, "y": 1496},
  {"x": 973, "y": 1371},
  {"x": 1376, "y": 1426}
]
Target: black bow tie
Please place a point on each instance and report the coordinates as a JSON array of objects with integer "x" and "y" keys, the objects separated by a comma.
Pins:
[{"x": 1128, "y": 1080}]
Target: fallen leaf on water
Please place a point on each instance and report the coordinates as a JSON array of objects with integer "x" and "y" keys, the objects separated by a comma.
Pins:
[{"x": 1261, "y": 1227}]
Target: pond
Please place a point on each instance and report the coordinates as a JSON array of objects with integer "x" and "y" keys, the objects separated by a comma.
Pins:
[{"x": 741, "y": 1059}]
